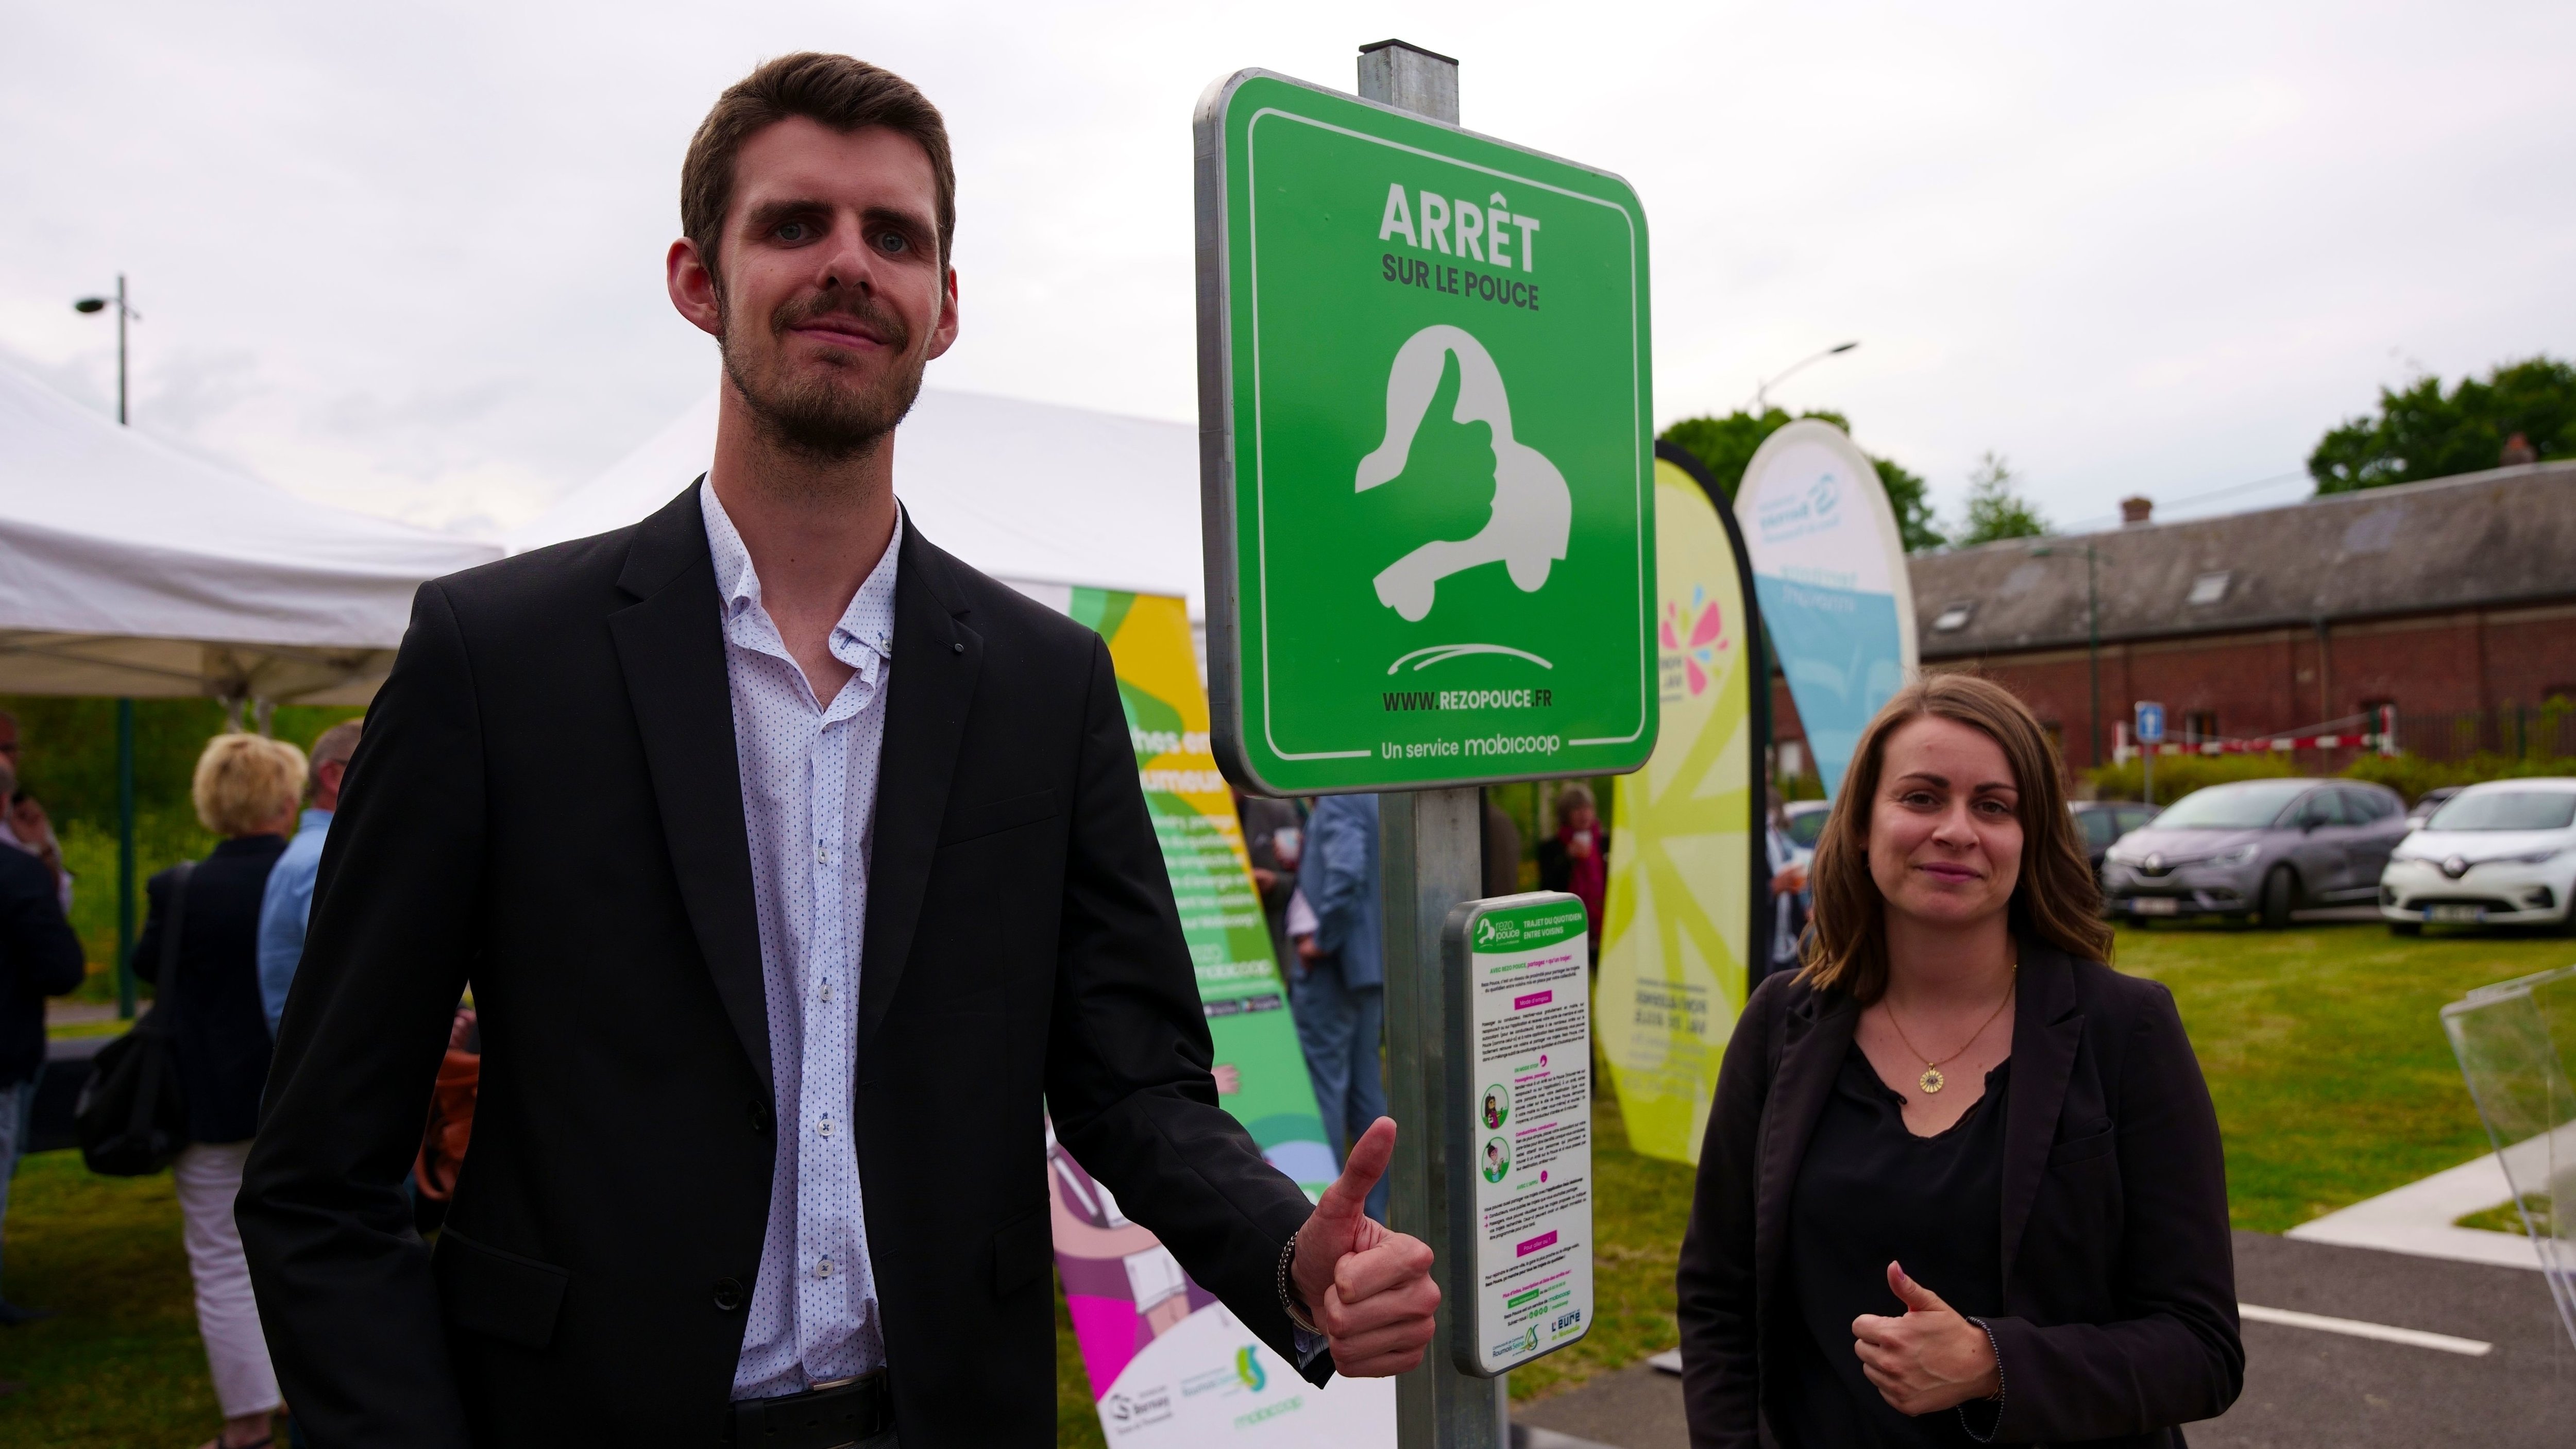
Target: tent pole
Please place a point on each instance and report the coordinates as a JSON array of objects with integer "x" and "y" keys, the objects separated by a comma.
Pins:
[{"x": 125, "y": 859}]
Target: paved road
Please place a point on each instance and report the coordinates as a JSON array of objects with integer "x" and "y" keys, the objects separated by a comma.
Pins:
[{"x": 2304, "y": 1389}]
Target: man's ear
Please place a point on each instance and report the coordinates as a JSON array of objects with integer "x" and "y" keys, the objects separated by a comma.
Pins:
[
  {"x": 943, "y": 334},
  {"x": 693, "y": 286}
]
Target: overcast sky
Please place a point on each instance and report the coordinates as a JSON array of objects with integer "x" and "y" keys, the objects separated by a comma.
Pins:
[{"x": 408, "y": 259}]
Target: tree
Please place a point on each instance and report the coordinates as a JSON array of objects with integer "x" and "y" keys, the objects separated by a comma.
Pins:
[
  {"x": 1995, "y": 509},
  {"x": 2422, "y": 433},
  {"x": 1726, "y": 446}
]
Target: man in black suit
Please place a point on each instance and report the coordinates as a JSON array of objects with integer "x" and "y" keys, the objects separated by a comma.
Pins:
[{"x": 796, "y": 868}]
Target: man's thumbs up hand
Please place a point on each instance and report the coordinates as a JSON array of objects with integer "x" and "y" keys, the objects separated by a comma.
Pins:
[
  {"x": 1367, "y": 1287},
  {"x": 1929, "y": 1359}
]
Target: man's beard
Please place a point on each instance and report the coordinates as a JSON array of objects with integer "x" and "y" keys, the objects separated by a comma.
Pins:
[{"x": 816, "y": 416}]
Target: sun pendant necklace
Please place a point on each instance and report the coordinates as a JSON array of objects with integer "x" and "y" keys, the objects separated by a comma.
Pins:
[{"x": 1932, "y": 1081}]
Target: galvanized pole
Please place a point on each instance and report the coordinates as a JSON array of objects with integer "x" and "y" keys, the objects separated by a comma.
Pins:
[
  {"x": 125, "y": 859},
  {"x": 120, "y": 348},
  {"x": 1430, "y": 855}
]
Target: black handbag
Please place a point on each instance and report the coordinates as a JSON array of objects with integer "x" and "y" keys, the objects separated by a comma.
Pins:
[{"x": 132, "y": 1119}]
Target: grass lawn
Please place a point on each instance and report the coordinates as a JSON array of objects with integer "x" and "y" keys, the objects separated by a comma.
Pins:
[{"x": 2322, "y": 1045}]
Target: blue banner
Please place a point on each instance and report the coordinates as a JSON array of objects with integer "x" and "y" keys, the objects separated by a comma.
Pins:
[{"x": 1829, "y": 573}]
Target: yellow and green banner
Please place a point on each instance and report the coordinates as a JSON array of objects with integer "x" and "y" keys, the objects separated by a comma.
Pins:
[
  {"x": 1685, "y": 849},
  {"x": 1169, "y": 1366}
]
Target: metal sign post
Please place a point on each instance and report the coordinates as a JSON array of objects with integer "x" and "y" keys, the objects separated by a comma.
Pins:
[
  {"x": 1426, "y": 444},
  {"x": 2151, "y": 733},
  {"x": 1430, "y": 857}
]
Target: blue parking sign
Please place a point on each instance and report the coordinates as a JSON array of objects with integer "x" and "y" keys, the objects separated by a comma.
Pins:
[{"x": 2151, "y": 722}]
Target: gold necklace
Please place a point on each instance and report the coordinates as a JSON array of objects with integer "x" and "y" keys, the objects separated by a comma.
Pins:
[{"x": 1932, "y": 1081}]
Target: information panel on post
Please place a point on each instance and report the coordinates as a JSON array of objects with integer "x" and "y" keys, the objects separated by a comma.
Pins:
[
  {"x": 1520, "y": 1130},
  {"x": 1426, "y": 430}
]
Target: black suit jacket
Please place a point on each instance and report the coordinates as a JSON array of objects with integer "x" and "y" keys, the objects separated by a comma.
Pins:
[
  {"x": 222, "y": 1028},
  {"x": 2119, "y": 1276},
  {"x": 39, "y": 957},
  {"x": 547, "y": 805}
]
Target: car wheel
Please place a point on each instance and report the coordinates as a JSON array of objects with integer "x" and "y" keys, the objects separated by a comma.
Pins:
[
  {"x": 2406, "y": 928},
  {"x": 2280, "y": 895}
]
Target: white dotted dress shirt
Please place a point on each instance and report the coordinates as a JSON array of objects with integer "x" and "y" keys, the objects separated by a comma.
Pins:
[{"x": 809, "y": 797}]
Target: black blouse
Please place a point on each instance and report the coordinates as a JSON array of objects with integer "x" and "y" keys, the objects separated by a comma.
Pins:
[{"x": 1870, "y": 1191}]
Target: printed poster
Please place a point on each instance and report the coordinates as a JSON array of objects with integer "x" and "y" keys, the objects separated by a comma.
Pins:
[
  {"x": 1169, "y": 1366},
  {"x": 1528, "y": 1129}
]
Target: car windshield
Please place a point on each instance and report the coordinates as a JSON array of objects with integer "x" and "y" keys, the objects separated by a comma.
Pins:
[
  {"x": 1807, "y": 827},
  {"x": 2506, "y": 810},
  {"x": 2249, "y": 806},
  {"x": 2100, "y": 829}
]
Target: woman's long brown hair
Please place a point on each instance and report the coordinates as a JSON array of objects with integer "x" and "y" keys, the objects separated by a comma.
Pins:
[{"x": 2056, "y": 900}]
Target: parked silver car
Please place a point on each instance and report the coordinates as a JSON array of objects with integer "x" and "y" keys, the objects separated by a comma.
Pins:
[{"x": 2261, "y": 848}]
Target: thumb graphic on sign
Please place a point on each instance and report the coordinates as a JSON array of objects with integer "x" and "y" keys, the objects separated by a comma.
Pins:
[
  {"x": 1533, "y": 509},
  {"x": 1367, "y": 1286}
]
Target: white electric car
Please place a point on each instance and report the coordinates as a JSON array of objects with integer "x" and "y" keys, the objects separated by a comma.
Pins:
[{"x": 2501, "y": 853}]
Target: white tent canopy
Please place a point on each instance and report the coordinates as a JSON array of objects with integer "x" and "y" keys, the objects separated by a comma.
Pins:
[
  {"x": 1025, "y": 491},
  {"x": 130, "y": 568}
]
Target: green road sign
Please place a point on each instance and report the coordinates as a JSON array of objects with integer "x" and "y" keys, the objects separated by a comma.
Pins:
[{"x": 1426, "y": 420}]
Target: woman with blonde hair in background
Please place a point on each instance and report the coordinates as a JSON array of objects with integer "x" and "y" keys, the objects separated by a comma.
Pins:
[
  {"x": 1962, "y": 1181},
  {"x": 246, "y": 790}
]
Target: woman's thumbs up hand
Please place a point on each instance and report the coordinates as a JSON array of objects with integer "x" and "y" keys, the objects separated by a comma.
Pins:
[{"x": 1930, "y": 1358}]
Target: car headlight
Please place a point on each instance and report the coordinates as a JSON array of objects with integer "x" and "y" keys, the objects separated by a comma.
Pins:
[
  {"x": 2241, "y": 855},
  {"x": 2537, "y": 857}
]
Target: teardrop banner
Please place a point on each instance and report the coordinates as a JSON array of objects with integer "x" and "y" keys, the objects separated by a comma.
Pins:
[
  {"x": 1170, "y": 1366},
  {"x": 1426, "y": 431},
  {"x": 1829, "y": 572},
  {"x": 1687, "y": 871}
]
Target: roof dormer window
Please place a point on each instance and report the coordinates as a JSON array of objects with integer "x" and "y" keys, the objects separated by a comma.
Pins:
[
  {"x": 2209, "y": 588},
  {"x": 1953, "y": 619}
]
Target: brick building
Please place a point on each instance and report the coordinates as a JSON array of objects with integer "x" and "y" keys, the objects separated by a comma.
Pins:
[{"x": 2453, "y": 600}]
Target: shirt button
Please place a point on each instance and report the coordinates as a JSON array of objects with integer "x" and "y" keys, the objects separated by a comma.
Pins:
[
  {"x": 827, "y": 991},
  {"x": 826, "y": 1128},
  {"x": 824, "y": 1269}
]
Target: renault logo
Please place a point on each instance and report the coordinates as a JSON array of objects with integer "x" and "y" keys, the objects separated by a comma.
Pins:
[
  {"x": 2154, "y": 861},
  {"x": 2455, "y": 867}
]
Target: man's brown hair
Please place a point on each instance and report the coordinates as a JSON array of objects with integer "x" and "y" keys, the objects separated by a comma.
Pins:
[
  {"x": 832, "y": 90},
  {"x": 2056, "y": 901}
]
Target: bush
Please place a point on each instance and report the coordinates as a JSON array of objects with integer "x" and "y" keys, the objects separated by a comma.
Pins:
[
  {"x": 2179, "y": 775},
  {"x": 2412, "y": 775}
]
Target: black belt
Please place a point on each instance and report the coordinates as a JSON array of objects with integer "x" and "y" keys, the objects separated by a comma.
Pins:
[{"x": 826, "y": 1416}]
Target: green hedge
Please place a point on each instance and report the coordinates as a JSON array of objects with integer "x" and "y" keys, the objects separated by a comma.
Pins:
[
  {"x": 2408, "y": 775},
  {"x": 2411, "y": 776},
  {"x": 2179, "y": 775}
]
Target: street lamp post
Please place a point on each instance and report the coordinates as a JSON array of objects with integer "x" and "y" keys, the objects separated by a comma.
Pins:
[
  {"x": 1760, "y": 389},
  {"x": 124, "y": 314},
  {"x": 2092, "y": 636},
  {"x": 125, "y": 991}
]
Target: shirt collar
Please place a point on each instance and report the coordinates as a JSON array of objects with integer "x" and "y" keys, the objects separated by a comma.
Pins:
[{"x": 865, "y": 633}]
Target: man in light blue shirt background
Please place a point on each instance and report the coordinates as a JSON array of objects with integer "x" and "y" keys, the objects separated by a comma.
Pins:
[{"x": 282, "y": 911}]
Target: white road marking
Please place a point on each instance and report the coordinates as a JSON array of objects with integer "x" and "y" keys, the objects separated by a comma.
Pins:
[{"x": 2355, "y": 1328}]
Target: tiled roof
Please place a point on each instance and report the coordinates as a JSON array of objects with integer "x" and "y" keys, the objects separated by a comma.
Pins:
[{"x": 2497, "y": 537}]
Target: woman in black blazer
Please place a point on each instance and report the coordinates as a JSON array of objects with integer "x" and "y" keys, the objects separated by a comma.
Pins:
[
  {"x": 246, "y": 790},
  {"x": 1962, "y": 1181}
]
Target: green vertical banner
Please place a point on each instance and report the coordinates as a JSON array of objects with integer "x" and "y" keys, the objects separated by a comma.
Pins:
[
  {"x": 1168, "y": 1364},
  {"x": 1685, "y": 845}
]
